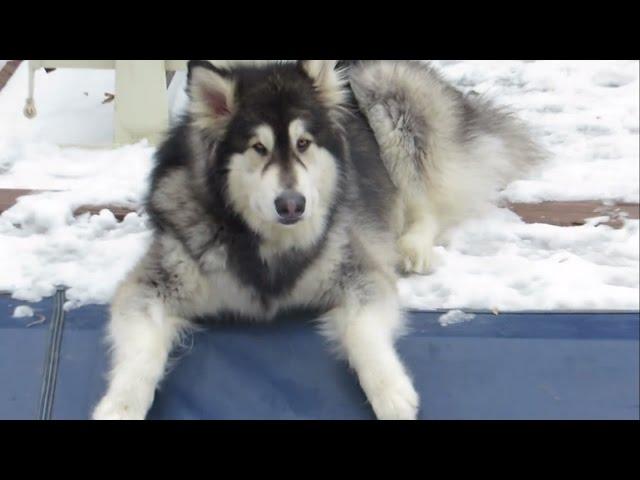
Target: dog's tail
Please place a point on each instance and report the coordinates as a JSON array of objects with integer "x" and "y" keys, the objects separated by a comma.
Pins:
[{"x": 432, "y": 137}]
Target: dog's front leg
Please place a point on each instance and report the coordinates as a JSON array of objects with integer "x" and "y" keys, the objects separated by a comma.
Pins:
[
  {"x": 415, "y": 245},
  {"x": 142, "y": 332},
  {"x": 366, "y": 332}
]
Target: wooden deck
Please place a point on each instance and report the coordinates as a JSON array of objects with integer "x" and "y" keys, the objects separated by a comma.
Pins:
[
  {"x": 563, "y": 214},
  {"x": 566, "y": 214}
]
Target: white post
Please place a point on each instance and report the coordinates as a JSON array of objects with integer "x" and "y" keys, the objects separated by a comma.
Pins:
[
  {"x": 30, "y": 105},
  {"x": 141, "y": 106}
]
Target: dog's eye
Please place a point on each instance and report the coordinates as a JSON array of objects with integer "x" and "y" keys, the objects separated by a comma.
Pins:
[
  {"x": 303, "y": 144},
  {"x": 260, "y": 148}
]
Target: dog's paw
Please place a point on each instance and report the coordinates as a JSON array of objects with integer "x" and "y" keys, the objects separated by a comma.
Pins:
[
  {"x": 112, "y": 407},
  {"x": 415, "y": 254},
  {"x": 395, "y": 400}
]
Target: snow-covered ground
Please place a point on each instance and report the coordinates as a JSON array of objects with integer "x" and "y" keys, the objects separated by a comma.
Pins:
[{"x": 586, "y": 113}]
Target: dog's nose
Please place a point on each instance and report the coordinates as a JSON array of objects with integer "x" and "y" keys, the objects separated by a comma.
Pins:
[{"x": 290, "y": 206}]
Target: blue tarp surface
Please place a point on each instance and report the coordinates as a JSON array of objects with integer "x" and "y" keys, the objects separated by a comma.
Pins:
[{"x": 509, "y": 366}]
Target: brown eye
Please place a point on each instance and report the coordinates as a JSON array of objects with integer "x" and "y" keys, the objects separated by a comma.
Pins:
[
  {"x": 261, "y": 149},
  {"x": 303, "y": 144}
]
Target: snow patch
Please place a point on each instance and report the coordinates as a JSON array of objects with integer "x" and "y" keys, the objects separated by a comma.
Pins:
[
  {"x": 586, "y": 113},
  {"x": 500, "y": 262},
  {"x": 453, "y": 317},
  {"x": 23, "y": 311}
]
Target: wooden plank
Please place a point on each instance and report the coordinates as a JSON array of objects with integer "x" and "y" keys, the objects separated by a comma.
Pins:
[
  {"x": 7, "y": 71},
  {"x": 118, "y": 211},
  {"x": 8, "y": 197},
  {"x": 563, "y": 214},
  {"x": 86, "y": 64},
  {"x": 568, "y": 214}
]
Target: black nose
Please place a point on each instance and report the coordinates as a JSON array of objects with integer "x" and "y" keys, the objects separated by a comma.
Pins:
[{"x": 290, "y": 206}]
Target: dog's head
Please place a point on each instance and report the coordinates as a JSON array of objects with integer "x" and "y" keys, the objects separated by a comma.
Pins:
[{"x": 274, "y": 147}]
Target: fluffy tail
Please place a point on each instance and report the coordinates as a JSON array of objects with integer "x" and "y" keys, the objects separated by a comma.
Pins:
[{"x": 457, "y": 149}]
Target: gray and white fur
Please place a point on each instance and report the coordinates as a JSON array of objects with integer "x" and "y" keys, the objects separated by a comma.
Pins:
[
  {"x": 447, "y": 153},
  {"x": 299, "y": 185}
]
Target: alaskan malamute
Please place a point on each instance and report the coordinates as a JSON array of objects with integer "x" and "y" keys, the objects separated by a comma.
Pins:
[{"x": 306, "y": 184}]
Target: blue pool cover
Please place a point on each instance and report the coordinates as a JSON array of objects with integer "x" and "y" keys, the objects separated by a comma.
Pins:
[{"x": 508, "y": 366}]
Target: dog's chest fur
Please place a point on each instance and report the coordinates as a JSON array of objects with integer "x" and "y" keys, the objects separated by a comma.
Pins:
[
  {"x": 272, "y": 277},
  {"x": 231, "y": 276}
]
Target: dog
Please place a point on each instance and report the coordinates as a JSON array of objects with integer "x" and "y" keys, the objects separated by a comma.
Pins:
[{"x": 308, "y": 184}]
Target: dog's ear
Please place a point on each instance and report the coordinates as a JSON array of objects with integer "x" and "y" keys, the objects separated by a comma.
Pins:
[
  {"x": 326, "y": 78},
  {"x": 212, "y": 94}
]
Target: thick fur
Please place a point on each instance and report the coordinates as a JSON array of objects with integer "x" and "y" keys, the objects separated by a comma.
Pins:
[
  {"x": 376, "y": 184},
  {"x": 447, "y": 153}
]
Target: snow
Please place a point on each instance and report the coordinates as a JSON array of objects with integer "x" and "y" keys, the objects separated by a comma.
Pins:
[
  {"x": 89, "y": 255},
  {"x": 500, "y": 263},
  {"x": 23, "y": 311},
  {"x": 586, "y": 113},
  {"x": 453, "y": 317}
]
